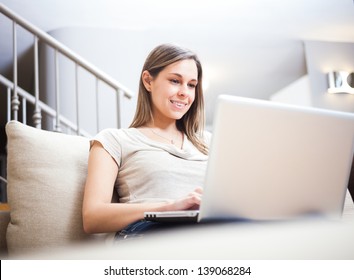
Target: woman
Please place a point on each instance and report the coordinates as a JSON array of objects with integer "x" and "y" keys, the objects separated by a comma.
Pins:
[{"x": 159, "y": 162}]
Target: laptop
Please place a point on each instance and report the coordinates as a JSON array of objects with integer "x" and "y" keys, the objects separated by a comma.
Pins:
[{"x": 272, "y": 161}]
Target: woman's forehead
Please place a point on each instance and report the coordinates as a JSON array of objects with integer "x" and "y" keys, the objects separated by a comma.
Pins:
[{"x": 186, "y": 68}]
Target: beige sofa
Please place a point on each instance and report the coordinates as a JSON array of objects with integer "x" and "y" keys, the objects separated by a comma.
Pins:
[{"x": 46, "y": 175}]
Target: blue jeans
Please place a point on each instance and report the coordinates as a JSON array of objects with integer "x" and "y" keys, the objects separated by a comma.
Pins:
[{"x": 140, "y": 228}]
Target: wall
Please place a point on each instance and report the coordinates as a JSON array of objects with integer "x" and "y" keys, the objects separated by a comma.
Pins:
[{"x": 297, "y": 93}]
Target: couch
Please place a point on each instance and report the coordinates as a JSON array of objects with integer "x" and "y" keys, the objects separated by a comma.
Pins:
[
  {"x": 46, "y": 172},
  {"x": 46, "y": 175}
]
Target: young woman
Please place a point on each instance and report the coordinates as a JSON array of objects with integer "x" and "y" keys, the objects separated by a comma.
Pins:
[{"x": 159, "y": 162}]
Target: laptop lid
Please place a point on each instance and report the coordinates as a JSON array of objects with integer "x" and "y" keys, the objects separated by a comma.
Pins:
[{"x": 275, "y": 161}]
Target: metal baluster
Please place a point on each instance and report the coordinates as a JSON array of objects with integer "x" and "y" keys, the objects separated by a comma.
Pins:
[
  {"x": 77, "y": 98},
  {"x": 8, "y": 104},
  {"x": 57, "y": 97},
  {"x": 118, "y": 96},
  {"x": 97, "y": 107},
  {"x": 15, "y": 103},
  {"x": 24, "y": 110},
  {"x": 37, "y": 116}
]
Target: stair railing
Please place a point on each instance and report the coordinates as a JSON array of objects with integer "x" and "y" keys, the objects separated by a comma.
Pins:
[{"x": 59, "y": 49}]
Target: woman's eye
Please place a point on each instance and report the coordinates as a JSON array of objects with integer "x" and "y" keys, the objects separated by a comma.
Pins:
[
  {"x": 192, "y": 85},
  {"x": 174, "y": 81}
]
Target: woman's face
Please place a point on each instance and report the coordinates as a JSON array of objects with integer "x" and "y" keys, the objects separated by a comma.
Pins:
[{"x": 173, "y": 90}]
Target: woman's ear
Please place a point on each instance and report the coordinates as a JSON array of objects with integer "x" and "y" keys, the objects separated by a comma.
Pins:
[{"x": 146, "y": 78}]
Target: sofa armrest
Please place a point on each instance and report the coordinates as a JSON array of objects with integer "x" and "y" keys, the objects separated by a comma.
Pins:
[{"x": 4, "y": 221}]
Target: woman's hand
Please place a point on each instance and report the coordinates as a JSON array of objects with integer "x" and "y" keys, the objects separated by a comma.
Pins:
[{"x": 190, "y": 202}]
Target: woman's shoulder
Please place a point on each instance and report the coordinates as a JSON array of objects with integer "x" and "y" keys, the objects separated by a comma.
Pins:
[
  {"x": 117, "y": 131},
  {"x": 115, "y": 134}
]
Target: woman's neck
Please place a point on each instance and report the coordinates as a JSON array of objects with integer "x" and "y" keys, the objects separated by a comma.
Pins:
[
  {"x": 164, "y": 132},
  {"x": 170, "y": 127}
]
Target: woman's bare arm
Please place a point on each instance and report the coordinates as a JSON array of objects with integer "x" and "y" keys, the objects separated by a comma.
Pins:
[{"x": 99, "y": 214}]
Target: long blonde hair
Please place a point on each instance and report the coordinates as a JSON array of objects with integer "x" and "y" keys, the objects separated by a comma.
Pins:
[{"x": 192, "y": 123}]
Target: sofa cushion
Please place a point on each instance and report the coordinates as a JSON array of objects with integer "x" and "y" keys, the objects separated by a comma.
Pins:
[{"x": 46, "y": 176}]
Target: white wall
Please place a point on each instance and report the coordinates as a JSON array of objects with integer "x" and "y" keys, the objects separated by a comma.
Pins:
[{"x": 297, "y": 93}]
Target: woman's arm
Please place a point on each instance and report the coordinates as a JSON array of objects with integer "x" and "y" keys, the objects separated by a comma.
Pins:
[{"x": 100, "y": 215}]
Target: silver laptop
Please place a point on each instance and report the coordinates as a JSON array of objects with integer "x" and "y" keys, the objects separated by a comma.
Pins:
[{"x": 271, "y": 161}]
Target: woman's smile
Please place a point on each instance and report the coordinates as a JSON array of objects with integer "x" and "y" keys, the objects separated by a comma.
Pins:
[{"x": 178, "y": 104}]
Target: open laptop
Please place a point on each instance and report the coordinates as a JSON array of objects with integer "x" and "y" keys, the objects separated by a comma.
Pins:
[{"x": 271, "y": 161}]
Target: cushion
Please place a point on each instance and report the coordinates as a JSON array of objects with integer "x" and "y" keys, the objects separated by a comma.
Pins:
[{"x": 46, "y": 177}]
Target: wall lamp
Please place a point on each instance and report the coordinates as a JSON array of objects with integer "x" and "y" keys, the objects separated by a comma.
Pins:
[{"x": 341, "y": 82}]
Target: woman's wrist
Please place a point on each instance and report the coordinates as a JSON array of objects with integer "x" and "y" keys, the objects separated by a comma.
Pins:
[{"x": 166, "y": 206}]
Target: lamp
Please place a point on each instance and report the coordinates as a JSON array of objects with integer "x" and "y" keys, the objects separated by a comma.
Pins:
[{"x": 341, "y": 82}]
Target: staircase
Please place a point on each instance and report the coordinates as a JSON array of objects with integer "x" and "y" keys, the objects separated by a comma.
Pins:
[{"x": 22, "y": 104}]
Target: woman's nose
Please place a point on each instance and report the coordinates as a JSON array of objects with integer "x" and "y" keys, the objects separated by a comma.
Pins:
[{"x": 183, "y": 91}]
